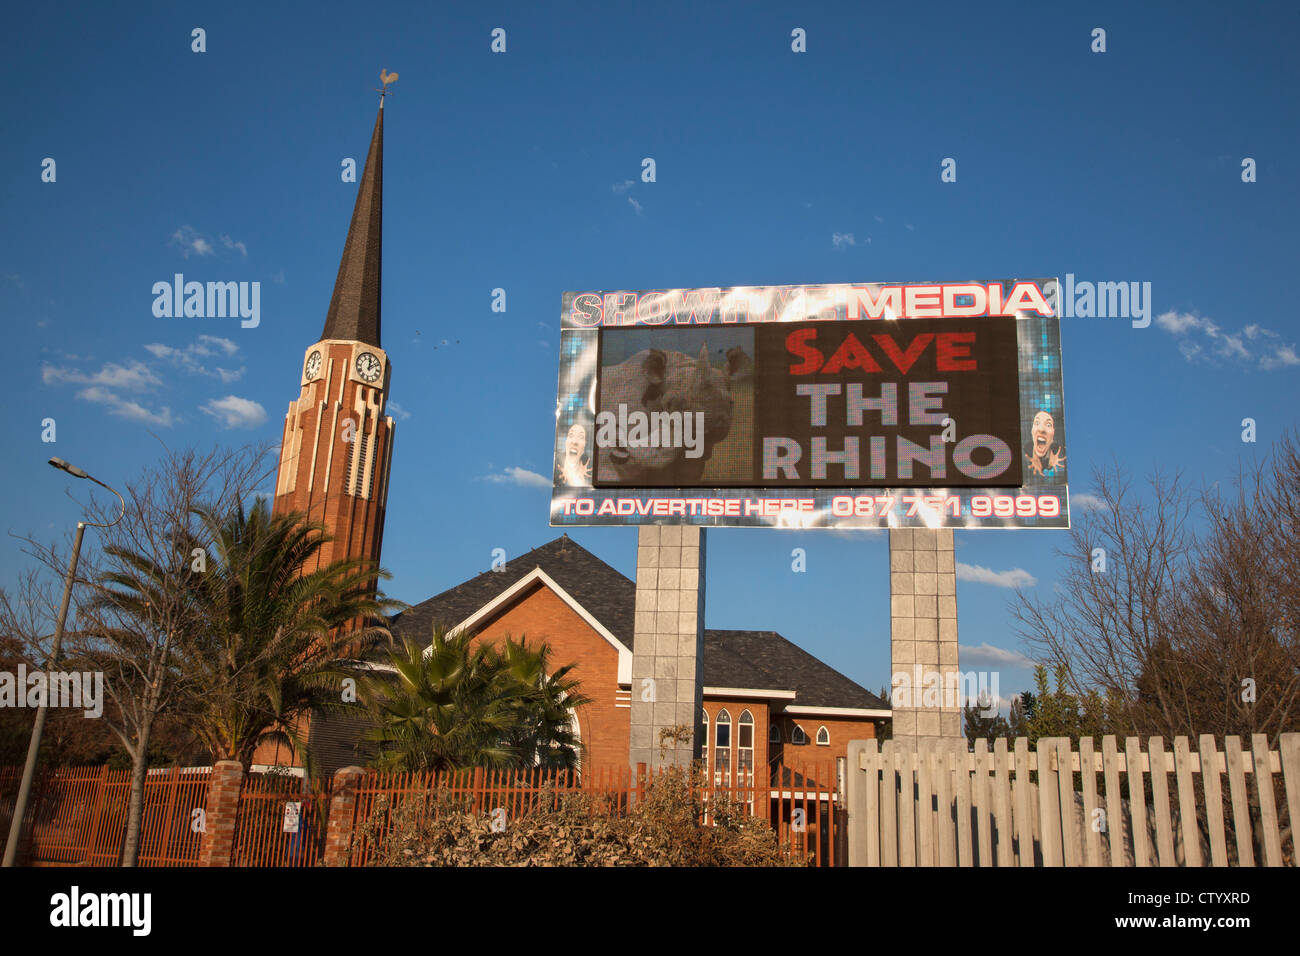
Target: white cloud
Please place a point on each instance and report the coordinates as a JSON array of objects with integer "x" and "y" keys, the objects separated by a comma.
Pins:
[
  {"x": 1227, "y": 345},
  {"x": 841, "y": 239},
  {"x": 519, "y": 476},
  {"x": 988, "y": 657},
  {"x": 634, "y": 204},
  {"x": 207, "y": 343},
  {"x": 880, "y": 220},
  {"x": 1179, "y": 323},
  {"x": 133, "y": 376},
  {"x": 188, "y": 358},
  {"x": 235, "y": 412},
  {"x": 1015, "y": 578},
  {"x": 1082, "y": 501},
  {"x": 127, "y": 409},
  {"x": 910, "y": 227},
  {"x": 1233, "y": 347},
  {"x": 190, "y": 242},
  {"x": 1284, "y": 355},
  {"x": 398, "y": 412},
  {"x": 624, "y": 186}
]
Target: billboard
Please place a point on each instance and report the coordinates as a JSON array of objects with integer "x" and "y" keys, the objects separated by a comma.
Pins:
[{"x": 836, "y": 406}]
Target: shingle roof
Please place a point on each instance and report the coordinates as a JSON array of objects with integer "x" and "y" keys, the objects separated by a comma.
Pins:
[
  {"x": 606, "y": 594},
  {"x": 752, "y": 659},
  {"x": 765, "y": 659}
]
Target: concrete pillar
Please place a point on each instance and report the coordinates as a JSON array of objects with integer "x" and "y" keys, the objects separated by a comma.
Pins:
[
  {"x": 224, "y": 784},
  {"x": 667, "y": 661},
  {"x": 923, "y": 630}
]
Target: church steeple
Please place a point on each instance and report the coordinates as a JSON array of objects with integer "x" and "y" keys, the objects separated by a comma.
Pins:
[
  {"x": 354, "y": 308},
  {"x": 336, "y": 449}
]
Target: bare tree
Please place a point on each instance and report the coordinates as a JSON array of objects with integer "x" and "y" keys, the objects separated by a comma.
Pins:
[
  {"x": 1116, "y": 603},
  {"x": 27, "y": 608},
  {"x": 1238, "y": 613},
  {"x": 134, "y": 594},
  {"x": 1191, "y": 627}
]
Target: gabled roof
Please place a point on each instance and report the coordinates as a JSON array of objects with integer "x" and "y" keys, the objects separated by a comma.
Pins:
[
  {"x": 606, "y": 594},
  {"x": 738, "y": 659}
]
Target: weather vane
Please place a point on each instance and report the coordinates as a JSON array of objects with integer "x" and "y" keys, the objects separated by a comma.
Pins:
[{"x": 385, "y": 78}]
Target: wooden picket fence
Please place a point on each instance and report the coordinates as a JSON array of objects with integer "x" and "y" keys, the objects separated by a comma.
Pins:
[{"x": 937, "y": 803}]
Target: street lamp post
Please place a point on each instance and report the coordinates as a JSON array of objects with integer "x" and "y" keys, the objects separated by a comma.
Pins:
[{"x": 38, "y": 728}]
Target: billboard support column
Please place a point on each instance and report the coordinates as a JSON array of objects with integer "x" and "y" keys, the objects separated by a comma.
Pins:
[
  {"x": 667, "y": 659},
  {"x": 925, "y": 683}
]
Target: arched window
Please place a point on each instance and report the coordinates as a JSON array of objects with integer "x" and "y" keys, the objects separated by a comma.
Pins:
[
  {"x": 797, "y": 736},
  {"x": 722, "y": 747},
  {"x": 704, "y": 745},
  {"x": 823, "y": 736},
  {"x": 774, "y": 734},
  {"x": 745, "y": 743}
]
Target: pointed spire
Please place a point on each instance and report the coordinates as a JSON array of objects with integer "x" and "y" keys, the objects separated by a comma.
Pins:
[{"x": 354, "y": 307}]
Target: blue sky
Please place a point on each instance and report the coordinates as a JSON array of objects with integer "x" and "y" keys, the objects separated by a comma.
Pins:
[{"x": 521, "y": 171}]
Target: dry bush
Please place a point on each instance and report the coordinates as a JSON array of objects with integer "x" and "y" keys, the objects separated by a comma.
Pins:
[{"x": 576, "y": 829}]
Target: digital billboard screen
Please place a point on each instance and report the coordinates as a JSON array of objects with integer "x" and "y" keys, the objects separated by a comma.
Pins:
[{"x": 904, "y": 405}]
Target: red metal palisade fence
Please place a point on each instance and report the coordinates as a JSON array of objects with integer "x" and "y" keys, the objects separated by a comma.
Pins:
[
  {"x": 800, "y": 803},
  {"x": 78, "y": 815}
]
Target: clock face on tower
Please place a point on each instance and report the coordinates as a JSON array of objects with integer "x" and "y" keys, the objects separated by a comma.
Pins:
[
  {"x": 313, "y": 364},
  {"x": 368, "y": 367}
]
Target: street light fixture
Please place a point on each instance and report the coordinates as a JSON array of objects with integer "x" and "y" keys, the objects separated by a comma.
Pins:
[{"x": 38, "y": 728}]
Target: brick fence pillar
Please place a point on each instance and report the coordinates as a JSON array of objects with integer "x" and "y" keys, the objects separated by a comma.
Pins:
[
  {"x": 343, "y": 811},
  {"x": 224, "y": 785}
]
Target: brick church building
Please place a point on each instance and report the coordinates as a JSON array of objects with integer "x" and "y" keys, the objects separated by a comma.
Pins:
[{"x": 765, "y": 699}]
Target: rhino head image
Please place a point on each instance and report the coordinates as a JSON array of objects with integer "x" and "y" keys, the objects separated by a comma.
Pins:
[{"x": 665, "y": 389}]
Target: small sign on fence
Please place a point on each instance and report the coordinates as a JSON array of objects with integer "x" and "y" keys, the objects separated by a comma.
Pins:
[{"x": 292, "y": 813}]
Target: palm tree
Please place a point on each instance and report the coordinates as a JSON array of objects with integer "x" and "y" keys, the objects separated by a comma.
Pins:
[
  {"x": 545, "y": 733},
  {"x": 460, "y": 704},
  {"x": 276, "y": 639}
]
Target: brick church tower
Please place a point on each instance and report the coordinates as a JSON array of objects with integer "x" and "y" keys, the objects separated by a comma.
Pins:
[{"x": 338, "y": 443}]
